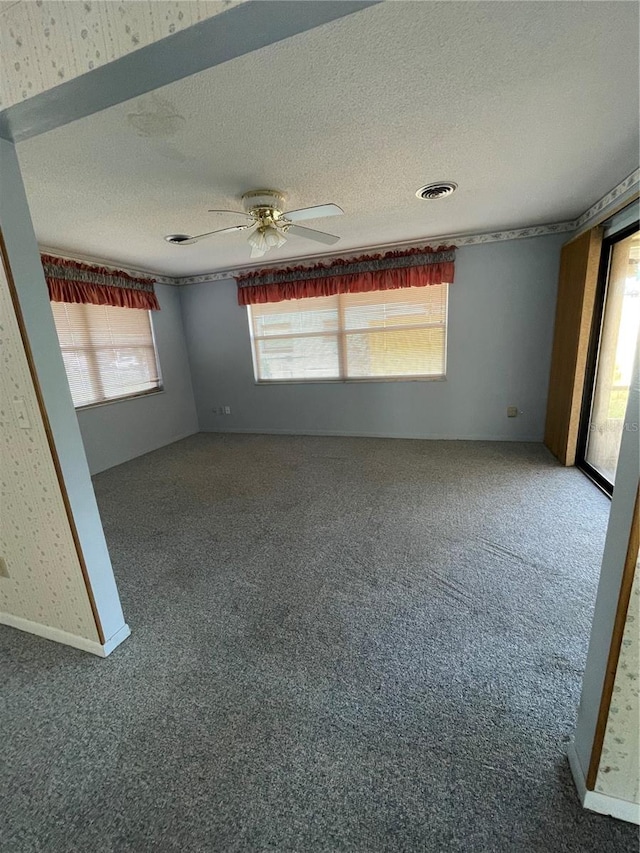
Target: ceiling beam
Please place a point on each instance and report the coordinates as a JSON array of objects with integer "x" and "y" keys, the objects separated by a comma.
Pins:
[{"x": 235, "y": 32}]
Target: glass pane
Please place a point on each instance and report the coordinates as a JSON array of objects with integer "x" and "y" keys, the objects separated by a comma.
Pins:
[
  {"x": 82, "y": 380},
  {"x": 70, "y": 325},
  {"x": 411, "y": 306},
  {"x": 381, "y": 334},
  {"x": 401, "y": 352},
  {"x": 298, "y": 358},
  {"x": 620, "y": 326},
  {"x": 108, "y": 352},
  {"x": 126, "y": 370},
  {"x": 297, "y": 316}
]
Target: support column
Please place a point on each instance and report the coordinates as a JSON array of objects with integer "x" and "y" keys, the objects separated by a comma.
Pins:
[{"x": 42, "y": 409}]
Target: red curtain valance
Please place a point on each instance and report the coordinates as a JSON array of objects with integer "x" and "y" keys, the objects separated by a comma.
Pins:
[
  {"x": 72, "y": 281},
  {"x": 412, "y": 268}
]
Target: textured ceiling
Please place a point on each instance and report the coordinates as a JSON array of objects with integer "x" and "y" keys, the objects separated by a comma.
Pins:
[
  {"x": 45, "y": 43},
  {"x": 532, "y": 108}
]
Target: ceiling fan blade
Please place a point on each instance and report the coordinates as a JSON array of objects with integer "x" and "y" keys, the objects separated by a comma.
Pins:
[
  {"x": 316, "y": 212},
  {"x": 234, "y": 212},
  {"x": 185, "y": 240},
  {"x": 312, "y": 234}
]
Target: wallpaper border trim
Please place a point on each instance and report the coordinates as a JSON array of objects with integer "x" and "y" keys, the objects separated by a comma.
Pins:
[
  {"x": 624, "y": 187},
  {"x": 460, "y": 240},
  {"x": 598, "y": 208},
  {"x": 609, "y": 198}
]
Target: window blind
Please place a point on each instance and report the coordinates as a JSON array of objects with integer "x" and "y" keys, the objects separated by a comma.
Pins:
[
  {"x": 390, "y": 334},
  {"x": 108, "y": 352}
]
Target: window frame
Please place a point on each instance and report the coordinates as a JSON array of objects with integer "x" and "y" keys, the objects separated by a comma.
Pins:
[
  {"x": 593, "y": 354},
  {"x": 159, "y": 389},
  {"x": 341, "y": 335}
]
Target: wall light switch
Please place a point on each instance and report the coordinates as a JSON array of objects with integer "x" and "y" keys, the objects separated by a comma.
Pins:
[
  {"x": 227, "y": 410},
  {"x": 20, "y": 410},
  {"x": 512, "y": 411}
]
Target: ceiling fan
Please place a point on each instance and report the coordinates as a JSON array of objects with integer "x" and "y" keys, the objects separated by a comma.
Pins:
[{"x": 270, "y": 223}]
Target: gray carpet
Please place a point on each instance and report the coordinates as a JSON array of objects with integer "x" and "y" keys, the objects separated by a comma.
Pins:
[{"x": 338, "y": 645}]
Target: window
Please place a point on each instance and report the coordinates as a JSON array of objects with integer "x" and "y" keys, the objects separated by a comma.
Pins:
[
  {"x": 108, "y": 352},
  {"x": 613, "y": 345},
  {"x": 392, "y": 334}
]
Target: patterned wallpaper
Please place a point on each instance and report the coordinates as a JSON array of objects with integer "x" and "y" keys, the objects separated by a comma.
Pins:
[
  {"x": 45, "y": 42},
  {"x": 619, "y": 771},
  {"x": 44, "y": 582}
]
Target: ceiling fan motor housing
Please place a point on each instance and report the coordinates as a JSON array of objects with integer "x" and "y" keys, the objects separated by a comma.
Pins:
[{"x": 263, "y": 201}]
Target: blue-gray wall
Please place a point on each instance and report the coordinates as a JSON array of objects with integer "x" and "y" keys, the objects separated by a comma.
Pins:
[
  {"x": 116, "y": 432},
  {"x": 501, "y": 316}
]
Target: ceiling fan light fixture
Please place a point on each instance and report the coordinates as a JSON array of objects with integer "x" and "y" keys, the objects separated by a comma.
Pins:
[
  {"x": 265, "y": 238},
  {"x": 274, "y": 237}
]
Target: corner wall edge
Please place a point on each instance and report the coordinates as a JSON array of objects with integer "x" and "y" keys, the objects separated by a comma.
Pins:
[{"x": 594, "y": 801}]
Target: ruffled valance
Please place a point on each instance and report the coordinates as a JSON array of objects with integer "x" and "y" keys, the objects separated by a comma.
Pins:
[
  {"x": 72, "y": 281},
  {"x": 393, "y": 270}
]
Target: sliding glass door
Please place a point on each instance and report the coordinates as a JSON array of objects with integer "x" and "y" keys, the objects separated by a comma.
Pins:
[{"x": 612, "y": 353}]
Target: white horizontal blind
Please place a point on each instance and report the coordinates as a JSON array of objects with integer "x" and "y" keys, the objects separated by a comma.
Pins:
[
  {"x": 380, "y": 335},
  {"x": 108, "y": 352}
]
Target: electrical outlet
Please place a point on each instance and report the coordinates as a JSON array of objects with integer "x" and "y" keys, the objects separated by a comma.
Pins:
[
  {"x": 512, "y": 411},
  {"x": 4, "y": 571},
  {"x": 227, "y": 410}
]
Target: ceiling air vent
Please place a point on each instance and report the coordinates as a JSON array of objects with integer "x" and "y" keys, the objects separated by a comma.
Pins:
[{"x": 441, "y": 189}]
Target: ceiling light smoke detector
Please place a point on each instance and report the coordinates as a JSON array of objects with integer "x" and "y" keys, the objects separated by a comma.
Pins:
[{"x": 440, "y": 189}]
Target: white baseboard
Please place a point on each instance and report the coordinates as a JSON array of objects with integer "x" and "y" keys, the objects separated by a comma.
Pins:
[
  {"x": 594, "y": 801},
  {"x": 344, "y": 434},
  {"x": 59, "y": 636},
  {"x": 114, "y": 641}
]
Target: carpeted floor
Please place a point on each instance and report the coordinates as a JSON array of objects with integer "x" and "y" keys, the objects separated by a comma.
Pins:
[{"x": 338, "y": 645}]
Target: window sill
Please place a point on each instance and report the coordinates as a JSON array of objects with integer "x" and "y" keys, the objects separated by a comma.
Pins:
[
  {"x": 126, "y": 399},
  {"x": 367, "y": 380}
]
